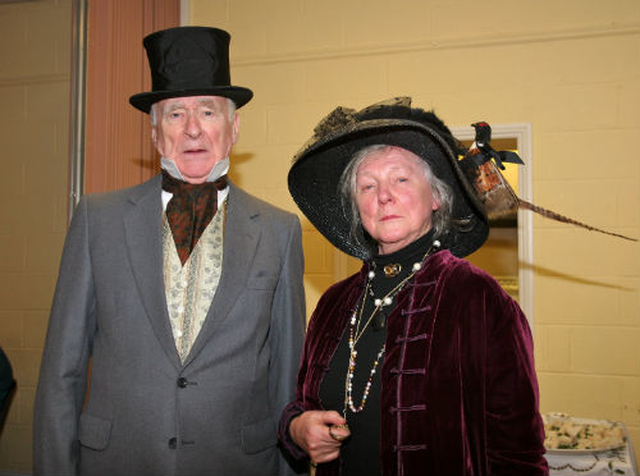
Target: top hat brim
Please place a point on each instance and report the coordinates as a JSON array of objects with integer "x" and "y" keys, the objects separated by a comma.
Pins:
[
  {"x": 239, "y": 95},
  {"x": 315, "y": 174}
]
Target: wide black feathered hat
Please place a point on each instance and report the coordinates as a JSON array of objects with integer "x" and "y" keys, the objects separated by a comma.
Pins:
[
  {"x": 317, "y": 168},
  {"x": 189, "y": 61}
]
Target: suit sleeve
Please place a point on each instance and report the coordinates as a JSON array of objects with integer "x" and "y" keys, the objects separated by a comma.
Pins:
[
  {"x": 63, "y": 371},
  {"x": 287, "y": 327}
]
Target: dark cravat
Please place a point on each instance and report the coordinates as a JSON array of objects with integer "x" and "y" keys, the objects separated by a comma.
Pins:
[{"x": 190, "y": 210}]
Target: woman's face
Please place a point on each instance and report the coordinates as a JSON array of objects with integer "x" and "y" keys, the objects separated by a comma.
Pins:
[{"x": 394, "y": 198}]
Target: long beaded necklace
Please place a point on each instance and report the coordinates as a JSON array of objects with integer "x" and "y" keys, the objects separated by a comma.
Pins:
[{"x": 356, "y": 332}]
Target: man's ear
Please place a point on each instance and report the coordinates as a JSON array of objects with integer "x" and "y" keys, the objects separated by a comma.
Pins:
[{"x": 235, "y": 127}]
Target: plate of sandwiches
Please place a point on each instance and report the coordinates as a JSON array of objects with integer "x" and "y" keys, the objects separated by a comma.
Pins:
[{"x": 570, "y": 435}]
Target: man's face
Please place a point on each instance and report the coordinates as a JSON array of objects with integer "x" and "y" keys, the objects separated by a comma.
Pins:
[{"x": 195, "y": 132}]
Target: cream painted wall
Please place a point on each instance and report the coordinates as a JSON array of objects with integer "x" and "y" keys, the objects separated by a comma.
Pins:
[
  {"x": 568, "y": 68},
  {"x": 35, "y": 56}
]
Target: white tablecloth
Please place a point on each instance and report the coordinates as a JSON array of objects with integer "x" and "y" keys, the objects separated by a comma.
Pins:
[{"x": 620, "y": 461}]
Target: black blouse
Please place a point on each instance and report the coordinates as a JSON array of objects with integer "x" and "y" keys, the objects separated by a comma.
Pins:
[{"x": 360, "y": 453}]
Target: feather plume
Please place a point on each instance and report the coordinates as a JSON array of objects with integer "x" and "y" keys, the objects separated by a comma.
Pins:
[
  {"x": 561, "y": 218},
  {"x": 499, "y": 198}
]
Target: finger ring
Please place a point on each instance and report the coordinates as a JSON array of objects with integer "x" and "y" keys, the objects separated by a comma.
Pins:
[{"x": 338, "y": 437}]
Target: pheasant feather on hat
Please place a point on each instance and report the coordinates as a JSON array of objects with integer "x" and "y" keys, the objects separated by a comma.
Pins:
[{"x": 482, "y": 165}]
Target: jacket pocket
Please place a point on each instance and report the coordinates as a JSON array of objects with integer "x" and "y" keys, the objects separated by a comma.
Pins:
[
  {"x": 258, "y": 436},
  {"x": 94, "y": 432}
]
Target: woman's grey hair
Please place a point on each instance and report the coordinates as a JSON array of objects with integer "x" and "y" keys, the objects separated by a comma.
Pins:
[
  {"x": 231, "y": 109},
  {"x": 347, "y": 188}
]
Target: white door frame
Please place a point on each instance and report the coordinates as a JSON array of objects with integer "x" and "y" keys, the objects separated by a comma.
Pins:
[{"x": 522, "y": 134}]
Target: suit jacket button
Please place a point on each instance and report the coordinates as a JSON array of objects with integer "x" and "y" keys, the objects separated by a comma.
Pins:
[
  {"x": 182, "y": 382},
  {"x": 173, "y": 443}
]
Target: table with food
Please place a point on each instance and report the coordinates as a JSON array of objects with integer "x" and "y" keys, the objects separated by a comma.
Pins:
[{"x": 587, "y": 446}]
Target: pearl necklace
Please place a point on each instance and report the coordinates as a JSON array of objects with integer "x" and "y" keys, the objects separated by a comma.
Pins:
[{"x": 355, "y": 333}]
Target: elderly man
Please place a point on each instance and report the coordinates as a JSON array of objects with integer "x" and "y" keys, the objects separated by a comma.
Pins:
[{"x": 185, "y": 294}]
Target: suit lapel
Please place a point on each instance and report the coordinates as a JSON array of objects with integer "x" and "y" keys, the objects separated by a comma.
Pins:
[
  {"x": 241, "y": 237},
  {"x": 143, "y": 232}
]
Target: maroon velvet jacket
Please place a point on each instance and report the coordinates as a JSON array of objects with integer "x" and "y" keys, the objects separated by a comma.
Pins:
[{"x": 459, "y": 389}]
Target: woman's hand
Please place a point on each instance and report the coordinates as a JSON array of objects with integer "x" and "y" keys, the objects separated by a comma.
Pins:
[{"x": 319, "y": 434}]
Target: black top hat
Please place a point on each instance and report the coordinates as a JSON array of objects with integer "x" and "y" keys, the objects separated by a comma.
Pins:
[
  {"x": 317, "y": 168},
  {"x": 189, "y": 61}
]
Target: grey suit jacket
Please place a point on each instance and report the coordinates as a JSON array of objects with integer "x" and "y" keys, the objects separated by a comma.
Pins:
[{"x": 143, "y": 412}]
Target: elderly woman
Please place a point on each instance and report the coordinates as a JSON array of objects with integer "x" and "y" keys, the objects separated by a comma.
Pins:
[{"x": 419, "y": 364}]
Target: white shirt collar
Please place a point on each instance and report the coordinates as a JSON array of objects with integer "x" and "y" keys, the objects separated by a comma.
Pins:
[{"x": 218, "y": 170}]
